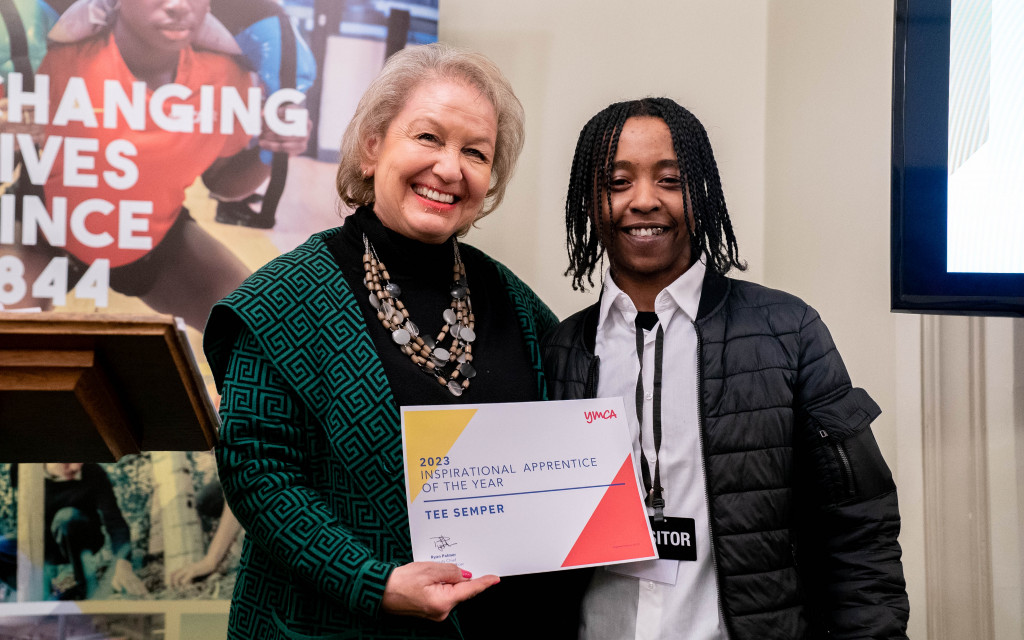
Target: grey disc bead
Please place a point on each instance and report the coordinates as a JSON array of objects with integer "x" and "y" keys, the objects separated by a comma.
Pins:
[{"x": 401, "y": 336}]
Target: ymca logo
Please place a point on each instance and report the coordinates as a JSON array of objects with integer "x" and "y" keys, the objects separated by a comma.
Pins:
[{"x": 594, "y": 415}]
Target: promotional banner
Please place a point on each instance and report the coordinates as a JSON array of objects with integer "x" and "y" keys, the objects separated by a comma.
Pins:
[
  {"x": 150, "y": 160},
  {"x": 511, "y": 488}
]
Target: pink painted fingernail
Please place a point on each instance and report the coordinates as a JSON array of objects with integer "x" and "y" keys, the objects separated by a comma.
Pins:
[{"x": 466, "y": 574}]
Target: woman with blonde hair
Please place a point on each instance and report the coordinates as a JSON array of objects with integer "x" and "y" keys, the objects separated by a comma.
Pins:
[{"x": 317, "y": 351}]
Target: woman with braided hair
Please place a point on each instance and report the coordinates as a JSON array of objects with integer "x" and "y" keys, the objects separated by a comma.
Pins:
[{"x": 774, "y": 511}]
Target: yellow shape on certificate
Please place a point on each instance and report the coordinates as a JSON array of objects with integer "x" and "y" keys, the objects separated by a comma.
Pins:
[{"x": 429, "y": 436}]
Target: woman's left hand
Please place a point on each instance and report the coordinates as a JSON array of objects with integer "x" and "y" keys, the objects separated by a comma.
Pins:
[{"x": 431, "y": 590}]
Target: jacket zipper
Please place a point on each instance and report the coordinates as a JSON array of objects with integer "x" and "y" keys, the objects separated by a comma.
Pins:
[
  {"x": 704, "y": 468},
  {"x": 590, "y": 388},
  {"x": 843, "y": 459}
]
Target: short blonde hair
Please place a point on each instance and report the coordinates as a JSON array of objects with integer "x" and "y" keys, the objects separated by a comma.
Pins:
[{"x": 388, "y": 93}]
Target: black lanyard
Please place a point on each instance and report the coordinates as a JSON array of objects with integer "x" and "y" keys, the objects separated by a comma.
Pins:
[{"x": 654, "y": 489}]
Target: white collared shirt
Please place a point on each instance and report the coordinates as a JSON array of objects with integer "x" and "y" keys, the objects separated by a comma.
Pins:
[{"x": 658, "y": 598}]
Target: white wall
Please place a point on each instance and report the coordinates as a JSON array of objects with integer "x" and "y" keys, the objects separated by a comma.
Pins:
[
  {"x": 569, "y": 59},
  {"x": 1004, "y": 414},
  {"x": 827, "y": 206},
  {"x": 827, "y": 177}
]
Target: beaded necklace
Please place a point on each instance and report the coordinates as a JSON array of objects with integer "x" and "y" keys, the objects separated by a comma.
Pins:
[{"x": 447, "y": 365}]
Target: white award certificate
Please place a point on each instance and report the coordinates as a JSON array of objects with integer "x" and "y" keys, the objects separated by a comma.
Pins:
[{"x": 511, "y": 488}]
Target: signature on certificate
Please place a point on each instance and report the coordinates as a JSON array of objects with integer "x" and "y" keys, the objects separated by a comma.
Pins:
[{"x": 443, "y": 542}]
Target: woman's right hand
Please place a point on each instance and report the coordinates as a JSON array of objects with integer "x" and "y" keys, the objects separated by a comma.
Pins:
[{"x": 431, "y": 590}]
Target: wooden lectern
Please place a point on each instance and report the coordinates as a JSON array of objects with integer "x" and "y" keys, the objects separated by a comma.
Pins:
[{"x": 92, "y": 388}]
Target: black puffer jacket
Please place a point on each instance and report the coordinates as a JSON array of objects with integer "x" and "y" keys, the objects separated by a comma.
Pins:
[{"x": 803, "y": 508}]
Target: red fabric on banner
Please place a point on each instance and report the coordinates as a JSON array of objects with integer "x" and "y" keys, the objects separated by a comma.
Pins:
[{"x": 167, "y": 161}]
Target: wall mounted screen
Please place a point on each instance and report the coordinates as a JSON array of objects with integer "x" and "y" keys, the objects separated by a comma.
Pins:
[{"x": 958, "y": 157}]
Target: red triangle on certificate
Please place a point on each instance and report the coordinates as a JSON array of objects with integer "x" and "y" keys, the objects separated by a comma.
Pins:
[{"x": 617, "y": 530}]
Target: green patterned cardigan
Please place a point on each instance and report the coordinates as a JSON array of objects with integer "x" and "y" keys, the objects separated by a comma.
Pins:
[{"x": 310, "y": 451}]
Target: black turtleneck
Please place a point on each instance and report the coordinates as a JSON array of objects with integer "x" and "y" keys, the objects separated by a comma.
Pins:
[{"x": 424, "y": 272}]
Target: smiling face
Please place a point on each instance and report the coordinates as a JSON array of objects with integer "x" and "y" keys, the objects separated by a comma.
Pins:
[
  {"x": 646, "y": 235},
  {"x": 432, "y": 168},
  {"x": 164, "y": 25}
]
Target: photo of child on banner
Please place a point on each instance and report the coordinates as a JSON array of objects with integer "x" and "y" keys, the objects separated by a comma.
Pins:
[
  {"x": 144, "y": 96},
  {"x": 100, "y": 219},
  {"x": 143, "y": 528}
]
